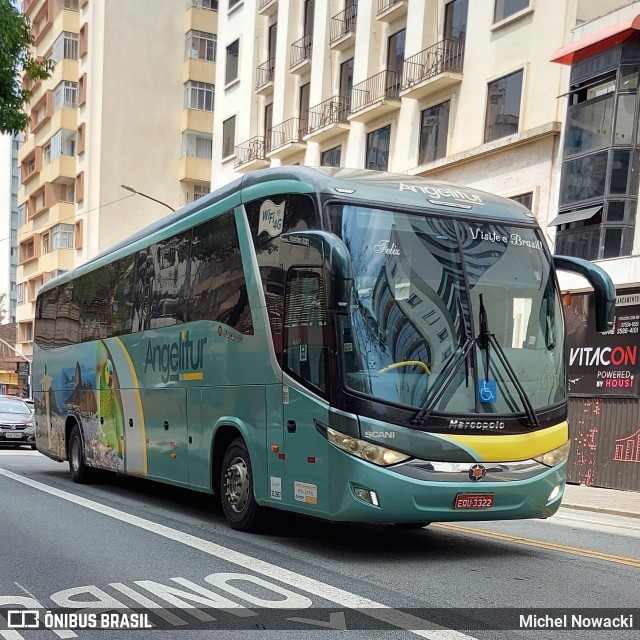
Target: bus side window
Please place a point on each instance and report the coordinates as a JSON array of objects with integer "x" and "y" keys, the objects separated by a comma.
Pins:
[
  {"x": 46, "y": 311},
  {"x": 218, "y": 285},
  {"x": 305, "y": 325},
  {"x": 172, "y": 268},
  {"x": 68, "y": 317}
]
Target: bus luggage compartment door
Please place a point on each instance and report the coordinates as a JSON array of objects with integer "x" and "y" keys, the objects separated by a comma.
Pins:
[{"x": 165, "y": 415}]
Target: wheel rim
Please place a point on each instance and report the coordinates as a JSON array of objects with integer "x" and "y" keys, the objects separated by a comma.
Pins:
[
  {"x": 75, "y": 455},
  {"x": 236, "y": 485}
]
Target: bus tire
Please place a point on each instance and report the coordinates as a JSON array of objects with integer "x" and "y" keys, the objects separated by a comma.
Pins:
[
  {"x": 80, "y": 472},
  {"x": 236, "y": 489}
]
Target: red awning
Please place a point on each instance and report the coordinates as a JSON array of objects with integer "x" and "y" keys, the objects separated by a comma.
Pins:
[{"x": 589, "y": 45}]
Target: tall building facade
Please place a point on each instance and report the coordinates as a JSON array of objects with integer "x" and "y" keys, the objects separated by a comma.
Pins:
[
  {"x": 450, "y": 89},
  {"x": 9, "y": 185},
  {"x": 130, "y": 102}
]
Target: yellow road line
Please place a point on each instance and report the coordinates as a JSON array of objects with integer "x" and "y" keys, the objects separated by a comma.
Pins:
[{"x": 597, "y": 555}]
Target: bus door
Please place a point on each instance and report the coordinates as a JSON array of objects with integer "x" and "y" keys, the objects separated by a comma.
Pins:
[{"x": 306, "y": 362}]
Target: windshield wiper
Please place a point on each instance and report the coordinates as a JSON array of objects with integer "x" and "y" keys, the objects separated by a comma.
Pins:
[
  {"x": 455, "y": 362},
  {"x": 485, "y": 340}
]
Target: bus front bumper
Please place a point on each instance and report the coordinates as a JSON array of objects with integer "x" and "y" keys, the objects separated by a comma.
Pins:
[{"x": 367, "y": 493}]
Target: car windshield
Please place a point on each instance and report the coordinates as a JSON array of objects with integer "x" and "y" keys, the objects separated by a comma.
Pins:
[
  {"x": 418, "y": 282},
  {"x": 13, "y": 405}
]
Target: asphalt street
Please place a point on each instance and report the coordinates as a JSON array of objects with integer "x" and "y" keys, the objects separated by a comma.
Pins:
[{"x": 126, "y": 543}]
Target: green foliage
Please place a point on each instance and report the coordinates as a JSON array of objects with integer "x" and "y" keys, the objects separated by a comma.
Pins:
[{"x": 16, "y": 53}]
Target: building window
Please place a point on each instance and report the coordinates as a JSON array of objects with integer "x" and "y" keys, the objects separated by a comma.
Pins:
[
  {"x": 196, "y": 145},
  {"x": 506, "y": 8},
  {"x": 62, "y": 143},
  {"x": 212, "y": 5},
  {"x": 503, "y": 107},
  {"x": 378, "y": 149},
  {"x": 65, "y": 95},
  {"x": 331, "y": 157},
  {"x": 65, "y": 47},
  {"x": 228, "y": 137},
  {"x": 62, "y": 236},
  {"x": 72, "y": 5},
  {"x": 233, "y": 3},
  {"x": 200, "y": 190},
  {"x": 199, "y": 95},
  {"x": 525, "y": 199},
  {"x": 26, "y": 332},
  {"x": 455, "y": 20},
  {"x": 231, "y": 69},
  {"x": 201, "y": 45},
  {"x": 434, "y": 127}
]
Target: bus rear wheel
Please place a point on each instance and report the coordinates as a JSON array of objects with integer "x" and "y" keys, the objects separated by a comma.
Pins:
[
  {"x": 236, "y": 489},
  {"x": 80, "y": 472}
]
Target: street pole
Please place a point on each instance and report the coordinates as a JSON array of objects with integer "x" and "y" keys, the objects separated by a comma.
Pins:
[{"x": 144, "y": 195}]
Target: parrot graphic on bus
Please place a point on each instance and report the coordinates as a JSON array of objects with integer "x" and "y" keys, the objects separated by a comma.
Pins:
[{"x": 110, "y": 414}]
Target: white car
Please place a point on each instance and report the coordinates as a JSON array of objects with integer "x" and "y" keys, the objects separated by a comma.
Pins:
[{"x": 17, "y": 423}]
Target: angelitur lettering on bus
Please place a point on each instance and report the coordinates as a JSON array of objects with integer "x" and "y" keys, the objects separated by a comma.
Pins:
[{"x": 175, "y": 357}]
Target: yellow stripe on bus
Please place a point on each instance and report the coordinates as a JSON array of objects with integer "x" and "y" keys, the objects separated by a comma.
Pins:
[
  {"x": 196, "y": 375},
  {"x": 510, "y": 448},
  {"x": 139, "y": 402}
]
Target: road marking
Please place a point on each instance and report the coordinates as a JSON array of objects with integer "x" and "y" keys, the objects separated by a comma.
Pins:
[
  {"x": 22, "y": 452},
  {"x": 345, "y": 599},
  {"x": 597, "y": 555}
]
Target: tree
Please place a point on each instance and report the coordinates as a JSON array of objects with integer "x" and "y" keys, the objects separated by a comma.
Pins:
[{"x": 16, "y": 54}]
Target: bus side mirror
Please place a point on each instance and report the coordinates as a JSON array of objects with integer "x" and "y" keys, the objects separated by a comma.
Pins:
[
  {"x": 603, "y": 289},
  {"x": 336, "y": 263}
]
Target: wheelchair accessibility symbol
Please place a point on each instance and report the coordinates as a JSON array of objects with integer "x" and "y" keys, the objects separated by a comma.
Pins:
[{"x": 487, "y": 391}]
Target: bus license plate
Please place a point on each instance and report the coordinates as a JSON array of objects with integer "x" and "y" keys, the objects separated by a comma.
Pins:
[
  {"x": 473, "y": 501},
  {"x": 13, "y": 435}
]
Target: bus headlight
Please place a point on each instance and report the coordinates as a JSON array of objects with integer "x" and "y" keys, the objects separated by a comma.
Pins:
[
  {"x": 365, "y": 450},
  {"x": 556, "y": 456}
]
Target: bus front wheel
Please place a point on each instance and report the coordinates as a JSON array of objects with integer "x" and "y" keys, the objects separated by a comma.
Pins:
[
  {"x": 80, "y": 473},
  {"x": 236, "y": 489}
]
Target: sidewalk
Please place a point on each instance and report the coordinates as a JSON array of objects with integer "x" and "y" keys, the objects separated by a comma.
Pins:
[{"x": 611, "y": 501}]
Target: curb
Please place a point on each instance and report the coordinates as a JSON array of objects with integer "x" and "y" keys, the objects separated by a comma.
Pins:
[{"x": 611, "y": 512}]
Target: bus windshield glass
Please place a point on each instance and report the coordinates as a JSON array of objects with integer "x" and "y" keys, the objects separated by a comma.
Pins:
[{"x": 450, "y": 316}]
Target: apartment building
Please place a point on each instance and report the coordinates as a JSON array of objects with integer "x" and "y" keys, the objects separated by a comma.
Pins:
[
  {"x": 130, "y": 102},
  {"x": 455, "y": 90},
  {"x": 9, "y": 184}
]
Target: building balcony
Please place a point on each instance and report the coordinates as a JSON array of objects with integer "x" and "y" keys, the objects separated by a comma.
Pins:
[
  {"x": 327, "y": 119},
  {"x": 200, "y": 19},
  {"x": 196, "y": 120},
  {"x": 264, "y": 77},
  {"x": 267, "y": 7},
  {"x": 377, "y": 96},
  {"x": 287, "y": 138},
  {"x": 252, "y": 154},
  {"x": 301, "y": 54},
  {"x": 436, "y": 68},
  {"x": 194, "y": 169},
  {"x": 198, "y": 70},
  {"x": 390, "y": 10},
  {"x": 343, "y": 29},
  {"x": 61, "y": 167},
  {"x": 63, "y": 259}
]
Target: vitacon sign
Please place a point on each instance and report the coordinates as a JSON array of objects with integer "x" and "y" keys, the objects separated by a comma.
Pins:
[{"x": 603, "y": 364}]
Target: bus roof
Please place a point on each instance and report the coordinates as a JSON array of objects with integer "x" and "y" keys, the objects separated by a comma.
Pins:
[{"x": 359, "y": 185}]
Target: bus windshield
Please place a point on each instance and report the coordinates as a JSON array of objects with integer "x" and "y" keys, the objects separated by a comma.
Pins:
[{"x": 428, "y": 292}]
